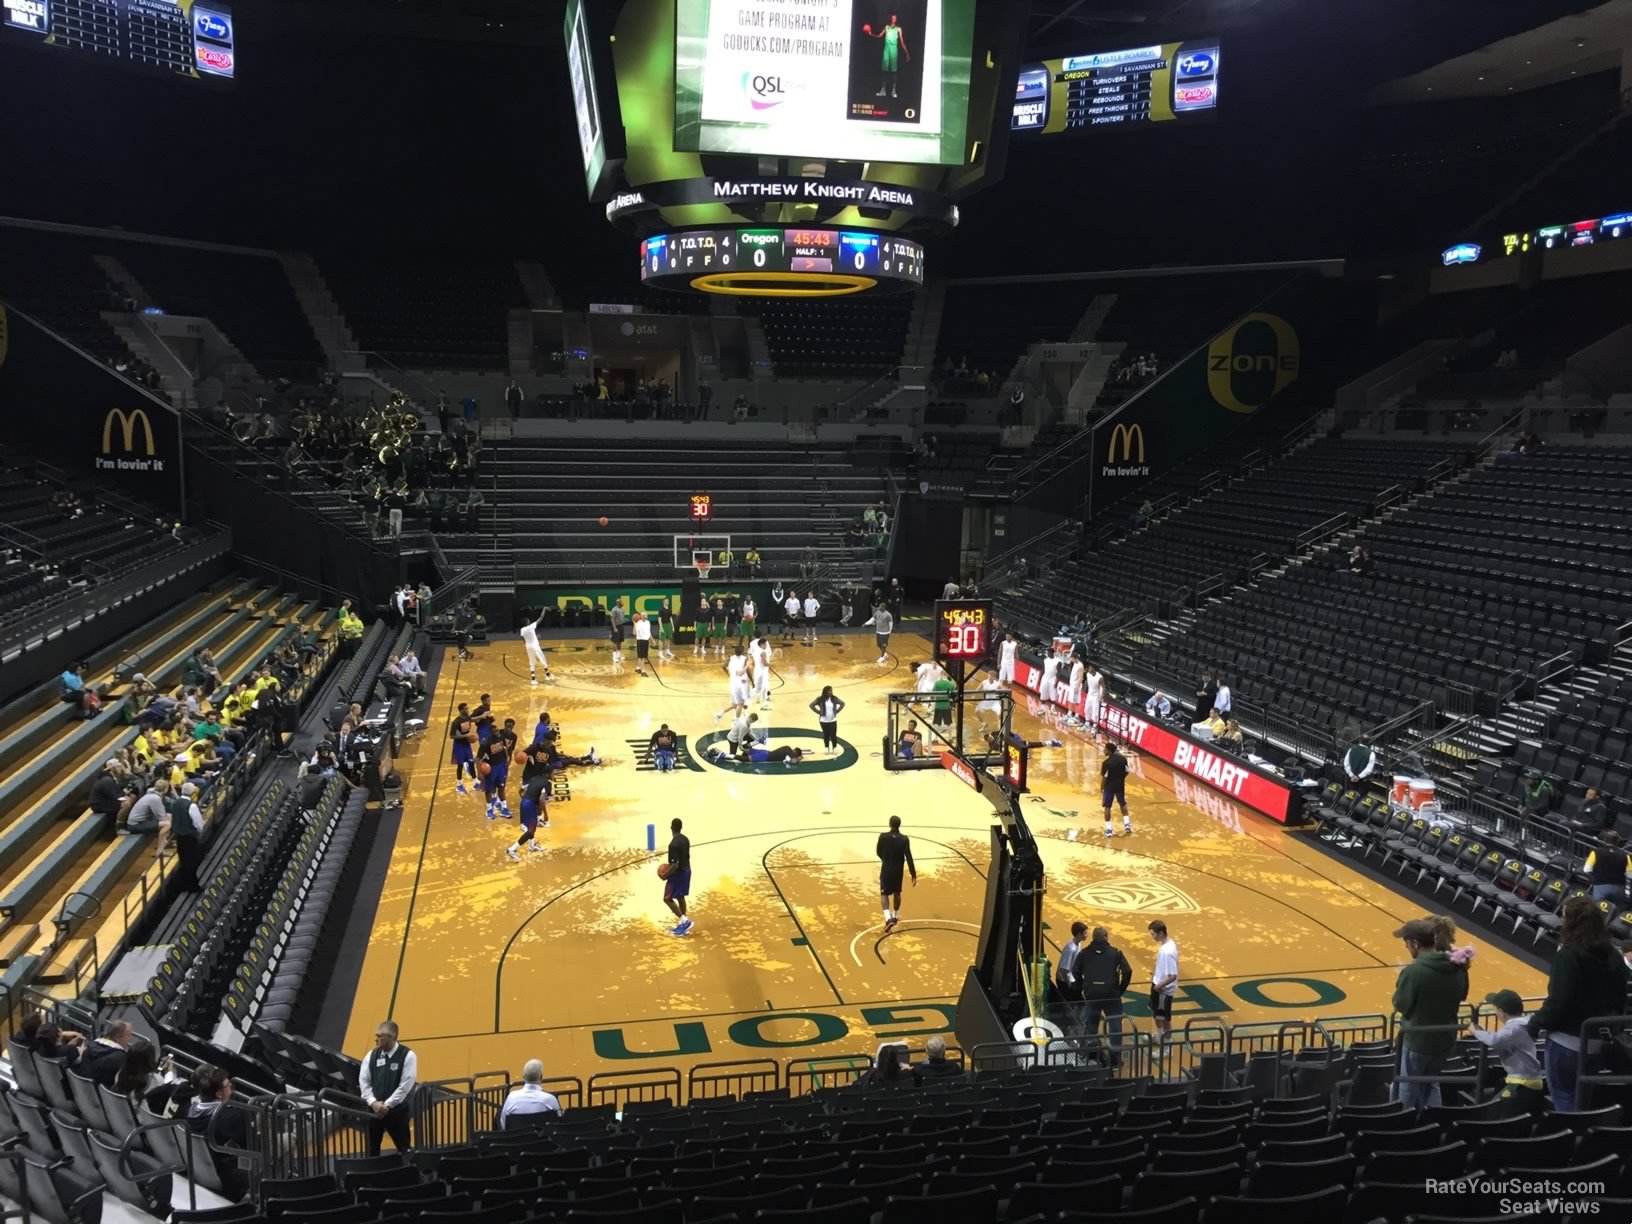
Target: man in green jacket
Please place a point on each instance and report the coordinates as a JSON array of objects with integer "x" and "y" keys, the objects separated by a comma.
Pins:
[{"x": 1428, "y": 996}]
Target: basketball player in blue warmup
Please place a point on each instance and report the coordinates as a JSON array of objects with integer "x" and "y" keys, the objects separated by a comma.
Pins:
[
  {"x": 534, "y": 812},
  {"x": 496, "y": 752},
  {"x": 678, "y": 883},
  {"x": 463, "y": 735}
]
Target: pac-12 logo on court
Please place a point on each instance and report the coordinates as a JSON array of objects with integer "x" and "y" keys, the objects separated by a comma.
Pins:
[
  {"x": 1136, "y": 895},
  {"x": 711, "y": 747}
]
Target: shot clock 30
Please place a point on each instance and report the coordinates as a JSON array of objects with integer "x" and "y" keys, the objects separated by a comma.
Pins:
[
  {"x": 963, "y": 630},
  {"x": 702, "y": 506}
]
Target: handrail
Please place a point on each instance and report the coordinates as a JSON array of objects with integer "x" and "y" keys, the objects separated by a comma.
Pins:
[
  {"x": 1030, "y": 541},
  {"x": 900, "y": 376},
  {"x": 1322, "y": 529},
  {"x": 184, "y": 1144},
  {"x": 428, "y": 393},
  {"x": 1074, "y": 439},
  {"x": 1385, "y": 729}
]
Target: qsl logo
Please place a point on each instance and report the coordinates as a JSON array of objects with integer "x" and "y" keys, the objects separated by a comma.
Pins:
[{"x": 763, "y": 91}]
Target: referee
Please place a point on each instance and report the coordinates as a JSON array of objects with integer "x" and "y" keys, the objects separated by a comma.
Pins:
[
  {"x": 894, "y": 855},
  {"x": 1113, "y": 780}
]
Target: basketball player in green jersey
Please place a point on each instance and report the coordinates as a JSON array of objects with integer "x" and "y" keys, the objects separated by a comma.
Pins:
[{"x": 895, "y": 46}]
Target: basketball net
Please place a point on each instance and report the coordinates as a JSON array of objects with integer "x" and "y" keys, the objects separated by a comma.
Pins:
[{"x": 702, "y": 569}]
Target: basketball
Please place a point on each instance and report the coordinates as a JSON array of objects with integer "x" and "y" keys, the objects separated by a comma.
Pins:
[
  {"x": 604, "y": 520},
  {"x": 866, "y": 28},
  {"x": 484, "y": 769},
  {"x": 662, "y": 871}
]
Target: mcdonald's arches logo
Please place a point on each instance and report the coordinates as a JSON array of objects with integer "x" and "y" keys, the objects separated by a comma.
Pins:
[
  {"x": 5, "y": 332},
  {"x": 127, "y": 424},
  {"x": 1132, "y": 438},
  {"x": 1252, "y": 361}
]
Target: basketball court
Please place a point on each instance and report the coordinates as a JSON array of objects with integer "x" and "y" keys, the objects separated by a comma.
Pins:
[{"x": 567, "y": 956}]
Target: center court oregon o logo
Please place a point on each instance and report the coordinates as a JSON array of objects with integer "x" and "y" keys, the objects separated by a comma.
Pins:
[{"x": 813, "y": 763}]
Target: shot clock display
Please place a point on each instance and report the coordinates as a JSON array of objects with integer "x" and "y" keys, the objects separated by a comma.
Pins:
[
  {"x": 702, "y": 507},
  {"x": 807, "y": 261},
  {"x": 963, "y": 630},
  {"x": 1015, "y": 762}
]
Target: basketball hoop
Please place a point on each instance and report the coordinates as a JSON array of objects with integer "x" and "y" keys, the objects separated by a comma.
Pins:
[{"x": 702, "y": 569}]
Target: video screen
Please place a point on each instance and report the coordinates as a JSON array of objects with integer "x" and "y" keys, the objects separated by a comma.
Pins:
[
  {"x": 586, "y": 107},
  {"x": 189, "y": 38},
  {"x": 849, "y": 80},
  {"x": 1153, "y": 84}
]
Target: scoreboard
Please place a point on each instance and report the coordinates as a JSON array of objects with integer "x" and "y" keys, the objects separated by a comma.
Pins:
[
  {"x": 189, "y": 38},
  {"x": 1154, "y": 84},
  {"x": 714, "y": 259}
]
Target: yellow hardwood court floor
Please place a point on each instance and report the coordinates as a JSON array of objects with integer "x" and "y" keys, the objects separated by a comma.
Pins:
[{"x": 567, "y": 955}]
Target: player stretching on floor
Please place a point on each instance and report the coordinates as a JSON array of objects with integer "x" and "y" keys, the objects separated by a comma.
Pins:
[
  {"x": 535, "y": 653},
  {"x": 677, "y": 884},
  {"x": 760, "y": 653},
  {"x": 534, "y": 813},
  {"x": 894, "y": 853},
  {"x": 496, "y": 756},
  {"x": 463, "y": 735}
]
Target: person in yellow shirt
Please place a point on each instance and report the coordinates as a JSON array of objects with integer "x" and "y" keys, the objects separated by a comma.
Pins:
[
  {"x": 753, "y": 560},
  {"x": 143, "y": 749}
]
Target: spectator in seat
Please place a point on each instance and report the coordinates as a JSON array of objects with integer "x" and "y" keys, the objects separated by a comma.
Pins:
[
  {"x": 1527, "y": 443},
  {"x": 1594, "y": 816},
  {"x": 890, "y": 1070},
  {"x": 530, "y": 1101},
  {"x": 1608, "y": 868},
  {"x": 1231, "y": 739},
  {"x": 1359, "y": 762},
  {"x": 143, "y": 1072},
  {"x": 104, "y": 1057},
  {"x": 200, "y": 669},
  {"x": 1587, "y": 978},
  {"x": 49, "y": 1041},
  {"x": 1537, "y": 799},
  {"x": 150, "y": 810},
  {"x": 76, "y": 692},
  {"x": 1159, "y": 706},
  {"x": 107, "y": 792},
  {"x": 206, "y": 1115},
  {"x": 752, "y": 557},
  {"x": 1428, "y": 996},
  {"x": 1209, "y": 728},
  {"x": 936, "y": 1064}
]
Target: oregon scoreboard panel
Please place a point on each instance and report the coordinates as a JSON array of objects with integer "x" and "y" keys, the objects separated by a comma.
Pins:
[
  {"x": 782, "y": 260},
  {"x": 190, "y": 38},
  {"x": 1153, "y": 84}
]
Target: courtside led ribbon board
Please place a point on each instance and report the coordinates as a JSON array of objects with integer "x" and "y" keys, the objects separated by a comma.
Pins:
[{"x": 1193, "y": 757}]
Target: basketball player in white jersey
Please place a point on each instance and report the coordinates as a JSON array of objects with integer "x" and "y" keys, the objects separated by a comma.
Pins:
[
  {"x": 1095, "y": 698},
  {"x": 987, "y": 711},
  {"x": 812, "y": 608},
  {"x": 1073, "y": 688},
  {"x": 1049, "y": 686},
  {"x": 924, "y": 678},
  {"x": 643, "y": 643},
  {"x": 535, "y": 653},
  {"x": 736, "y": 677},
  {"x": 790, "y": 616},
  {"x": 1007, "y": 652},
  {"x": 759, "y": 654}
]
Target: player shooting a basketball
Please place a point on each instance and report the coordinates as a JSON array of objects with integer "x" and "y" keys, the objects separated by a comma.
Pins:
[{"x": 895, "y": 46}]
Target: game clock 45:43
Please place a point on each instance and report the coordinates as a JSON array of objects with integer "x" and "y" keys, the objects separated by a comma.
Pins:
[{"x": 963, "y": 630}]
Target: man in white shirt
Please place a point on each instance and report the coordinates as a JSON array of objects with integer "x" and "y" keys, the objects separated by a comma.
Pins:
[
  {"x": 530, "y": 1100},
  {"x": 1164, "y": 979},
  {"x": 924, "y": 678},
  {"x": 949, "y": 591},
  {"x": 811, "y": 609},
  {"x": 643, "y": 642},
  {"x": 737, "y": 681},
  {"x": 1159, "y": 706},
  {"x": 1073, "y": 688},
  {"x": 416, "y": 674},
  {"x": 760, "y": 656},
  {"x": 790, "y": 616},
  {"x": 1221, "y": 702},
  {"x": 1050, "y": 683},
  {"x": 385, "y": 1081},
  {"x": 1094, "y": 697},
  {"x": 1006, "y": 655},
  {"x": 741, "y": 734},
  {"x": 535, "y": 652}
]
